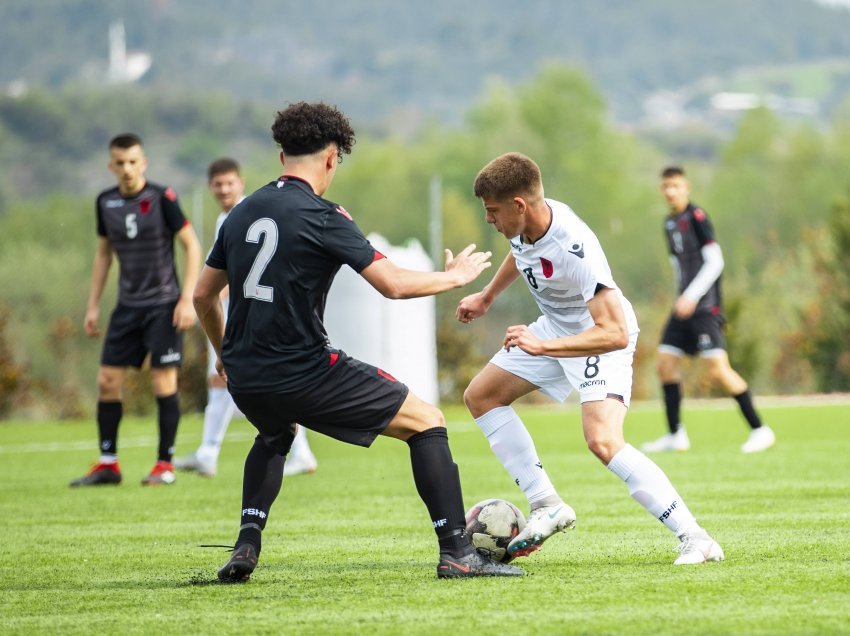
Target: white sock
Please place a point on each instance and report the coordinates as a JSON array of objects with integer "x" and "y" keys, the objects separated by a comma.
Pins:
[
  {"x": 651, "y": 488},
  {"x": 300, "y": 445},
  {"x": 514, "y": 447},
  {"x": 108, "y": 458},
  {"x": 217, "y": 415}
]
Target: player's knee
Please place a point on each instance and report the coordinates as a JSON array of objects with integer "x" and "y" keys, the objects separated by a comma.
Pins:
[
  {"x": 432, "y": 418},
  {"x": 667, "y": 369},
  {"x": 108, "y": 385},
  {"x": 470, "y": 397},
  {"x": 717, "y": 375},
  {"x": 479, "y": 400},
  {"x": 426, "y": 417},
  {"x": 602, "y": 447}
]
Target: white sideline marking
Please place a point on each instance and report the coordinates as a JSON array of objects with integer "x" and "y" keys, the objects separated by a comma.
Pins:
[
  {"x": 148, "y": 441},
  {"x": 91, "y": 444}
]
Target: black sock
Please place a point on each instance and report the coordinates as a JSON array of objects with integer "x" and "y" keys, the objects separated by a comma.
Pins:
[
  {"x": 745, "y": 401},
  {"x": 672, "y": 401},
  {"x": 108, "y": 417},
  {"x": 260, "y": 486},
  {"x": 438, "y": 483},
  {"x": 169, "y": 417}
]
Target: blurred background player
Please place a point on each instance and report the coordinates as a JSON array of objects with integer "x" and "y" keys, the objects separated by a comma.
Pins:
[
  {"x": 281, "y": 249},
  {"x": 584, "y": 340},
  {"x": 695, "y": 326},
  {"x": 138, "y": 221},
  {"x": 224, "y": 179}
]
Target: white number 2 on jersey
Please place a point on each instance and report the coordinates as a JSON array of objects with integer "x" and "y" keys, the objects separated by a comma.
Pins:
[{"x": 252, "y": 287}]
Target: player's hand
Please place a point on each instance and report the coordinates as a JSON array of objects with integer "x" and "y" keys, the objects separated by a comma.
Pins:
[
  {"x": 90, "y": 322},
  {"x": 684, "y": 308},
  {"x": 468, "y": 264},
  {"x": 472, "y": 307},
  {"x": 521, "y": 336},
  {"x": 184, "y": 315},
  {"x": 219, "y": 367}
]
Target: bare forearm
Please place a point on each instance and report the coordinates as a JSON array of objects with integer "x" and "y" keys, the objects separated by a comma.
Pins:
[
  {"x": 505, "y": 275},
  {"x": 100, "y": 271},
  {"x": 211, "y": 317},
  {"x": 191, "y": 264},
  {"x": 412, "y": 284},
  {"x": 593, "y": 342}
]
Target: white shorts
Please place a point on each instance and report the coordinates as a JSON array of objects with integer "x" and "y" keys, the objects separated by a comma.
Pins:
[{"x": 594, "y": 377}]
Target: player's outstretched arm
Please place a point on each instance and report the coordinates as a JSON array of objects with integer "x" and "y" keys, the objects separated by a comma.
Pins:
[
  {"x": 100, "y": 270},
  {"x": 609, "y": 332},
  {"x": 476, "y": 305},
  {"x": 396, "y": 282},
  {"x": 208, "y": 307}
]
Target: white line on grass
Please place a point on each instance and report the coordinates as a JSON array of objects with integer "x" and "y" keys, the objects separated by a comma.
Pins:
[{"x": 87, "y": 445}]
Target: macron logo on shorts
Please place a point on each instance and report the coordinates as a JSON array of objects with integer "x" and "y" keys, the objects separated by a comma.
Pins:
[{"x": 171, "y": 356}]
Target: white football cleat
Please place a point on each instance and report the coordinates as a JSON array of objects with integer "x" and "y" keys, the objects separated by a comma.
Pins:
[
  {"x": 760, "y": 439},
  {"x": 193, "y": 463},
  {"x": 300, "y": 464},
  {"x": 542, "y": 523},
  {"x": 697, "y": 547},
  {"x": 672, "y": 442}
]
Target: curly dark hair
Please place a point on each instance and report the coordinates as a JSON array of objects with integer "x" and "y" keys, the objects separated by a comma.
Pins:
[{"x": 304, "y": 128}]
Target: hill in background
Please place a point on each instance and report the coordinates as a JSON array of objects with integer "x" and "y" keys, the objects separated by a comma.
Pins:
[{"x": 394, "y": 64}]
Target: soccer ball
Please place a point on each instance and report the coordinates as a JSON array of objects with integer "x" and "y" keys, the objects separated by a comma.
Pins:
[{"x": 492, "y": 524}]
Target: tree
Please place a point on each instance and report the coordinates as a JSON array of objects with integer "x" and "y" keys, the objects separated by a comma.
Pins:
[{"x": 827, "y": 321}]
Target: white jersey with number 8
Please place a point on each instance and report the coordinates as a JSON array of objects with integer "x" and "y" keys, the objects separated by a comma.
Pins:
[{"x": 563, "y": 270}]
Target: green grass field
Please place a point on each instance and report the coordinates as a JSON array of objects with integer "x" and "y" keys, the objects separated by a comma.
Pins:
[{"x": 349, "y": 549}]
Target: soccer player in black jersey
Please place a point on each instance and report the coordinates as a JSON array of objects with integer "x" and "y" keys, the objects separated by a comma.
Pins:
[
  {"x": 279, "y": 251},
  {"x": 137, "y": 221},
  {"x": 695, "y": 326}
]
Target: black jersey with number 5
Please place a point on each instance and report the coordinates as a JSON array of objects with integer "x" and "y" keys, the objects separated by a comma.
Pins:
[
  {"x": 281, "y": 248},
  {"x": 141, "y": 230}
]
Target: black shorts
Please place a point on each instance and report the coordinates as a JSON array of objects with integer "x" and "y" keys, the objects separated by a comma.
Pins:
[
  {"x": 135, "y": 331},
  {"x": 352, "y": 402},
  {"x": 698, "y": 334}
]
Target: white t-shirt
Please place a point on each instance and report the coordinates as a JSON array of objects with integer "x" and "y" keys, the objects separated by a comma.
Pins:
[{"x": 562, "y": 270}]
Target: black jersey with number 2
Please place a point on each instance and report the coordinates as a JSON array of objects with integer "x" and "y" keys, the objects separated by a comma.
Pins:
[{"x": 281, "y": 248}]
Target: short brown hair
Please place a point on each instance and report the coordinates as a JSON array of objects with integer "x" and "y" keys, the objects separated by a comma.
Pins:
[
  {"x": 672, "y": 171},
  {"x": 222, "y": 166},
  {"x": 125, "y": 140},
  {"x": 510, "y": 175}
]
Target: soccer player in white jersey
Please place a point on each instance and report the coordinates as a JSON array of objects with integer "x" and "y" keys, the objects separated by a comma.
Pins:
[
  {"x": 584, "y": 340},
  {"x": 226, "y": 184}
]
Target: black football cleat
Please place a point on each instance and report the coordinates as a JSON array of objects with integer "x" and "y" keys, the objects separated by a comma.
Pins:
[
  {"x": 241, "y": 564},
  {"x": 99, "y": 475},
  {"x": 473, "y": 564}
]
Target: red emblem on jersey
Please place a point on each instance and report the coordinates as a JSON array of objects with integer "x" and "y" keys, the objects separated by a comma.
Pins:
[
  {"x": 144, "y": 206},
  {"x": 699, "y": 215},
  {"x": 386, "y": 375},
  {"x": 170, "y": 194},
  {"x": 344, "y": 213},
  {"x": 548, "y": 269},
  {"x": 683, "y": 225}
]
